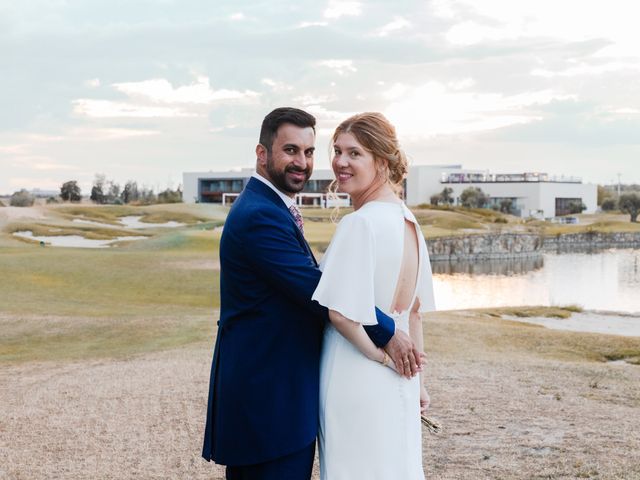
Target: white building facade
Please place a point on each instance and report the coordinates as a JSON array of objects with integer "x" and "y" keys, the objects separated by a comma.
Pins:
[{"x": 531, "y": 194}]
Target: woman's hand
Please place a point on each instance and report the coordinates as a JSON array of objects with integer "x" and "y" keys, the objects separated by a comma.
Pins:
[
  {"x": 387, "y": 361},
  {"x": 425, "y": 400}
]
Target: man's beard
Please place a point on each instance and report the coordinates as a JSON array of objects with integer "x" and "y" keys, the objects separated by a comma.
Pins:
[{"x": 284, "y": 183}]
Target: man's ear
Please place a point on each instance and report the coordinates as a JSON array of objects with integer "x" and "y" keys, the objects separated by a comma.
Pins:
[{"x": 261, "y": 155}]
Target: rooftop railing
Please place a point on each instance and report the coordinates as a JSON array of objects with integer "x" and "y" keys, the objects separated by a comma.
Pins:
[{"x": 506, "y": 178}]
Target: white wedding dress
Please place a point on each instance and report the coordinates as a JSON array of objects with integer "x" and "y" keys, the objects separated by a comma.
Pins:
[{"x": 369, "y": 416}]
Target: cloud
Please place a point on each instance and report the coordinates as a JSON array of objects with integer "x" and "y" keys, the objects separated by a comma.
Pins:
[
  {"x": 222, "y": 129},
  {"x": 110, "y": 109},
  {"x": 341, "y": 67},
  {"x": 311, "y": 24},
  {"x": 52, "y": 166},
  {"x": 477, "y": 21},
  {"x": 340, "y": 8},
  {"x": 237, "y": 16},
  {"x": 275, "y": 85},
  {"x": 18, "y": 149},
  {"x": 160, "y": 90},
  {"x": 100, "y": 134},
  {"x": 433, "y": 109},
  {"x": 311, "y": 99},
  {"x": 461, "y": 84},
  {"x": 93, "y": 83},
  {"x": 587, "y": 70},
  {"x": 398, "y": 23}
]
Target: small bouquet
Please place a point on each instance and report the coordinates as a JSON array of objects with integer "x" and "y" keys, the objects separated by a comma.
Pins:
[{"x": 432, "y": 425}]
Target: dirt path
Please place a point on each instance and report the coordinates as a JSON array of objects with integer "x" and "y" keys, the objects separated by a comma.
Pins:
[{"x": 504, "y": 418}]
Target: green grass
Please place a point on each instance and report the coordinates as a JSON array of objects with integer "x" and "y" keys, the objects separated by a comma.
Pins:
[
  {"x": 78, "y": 338},
  {"x": 71, "y": 303},
  {"x": 163, "y": 292}
]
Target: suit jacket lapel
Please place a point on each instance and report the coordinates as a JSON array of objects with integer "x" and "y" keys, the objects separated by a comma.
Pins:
[{"x": 258, "y": 187}]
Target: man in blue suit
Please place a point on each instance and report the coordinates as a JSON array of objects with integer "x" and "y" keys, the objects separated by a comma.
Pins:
[{"x": 262, "y": 416}]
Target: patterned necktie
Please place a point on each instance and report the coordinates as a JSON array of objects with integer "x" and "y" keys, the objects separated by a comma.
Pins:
[{"x": 297, "y": 217}]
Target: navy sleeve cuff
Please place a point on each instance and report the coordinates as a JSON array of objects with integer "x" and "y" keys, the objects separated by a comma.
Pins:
[{"x": 381, "y": 333}]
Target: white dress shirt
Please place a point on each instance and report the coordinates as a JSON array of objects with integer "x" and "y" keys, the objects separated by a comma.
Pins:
[{"x": 288, "y": 201}]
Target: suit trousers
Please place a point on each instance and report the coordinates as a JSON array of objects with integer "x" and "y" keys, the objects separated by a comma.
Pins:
[{"x": 295, "y": 466}]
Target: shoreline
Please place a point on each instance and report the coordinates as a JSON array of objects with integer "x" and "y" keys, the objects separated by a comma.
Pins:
[{"x": 505, "y": 246}]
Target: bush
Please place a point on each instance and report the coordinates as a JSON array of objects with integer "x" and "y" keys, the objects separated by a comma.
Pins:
[
  {"x": 473, "y": 197},
  {"x": 52, "y": 200},
  {"x": 170, "y": 196},
  {"x": 22, "y": 198},
  {"x": 576, "y": 207},
  {"x": 608, "y": 204}
]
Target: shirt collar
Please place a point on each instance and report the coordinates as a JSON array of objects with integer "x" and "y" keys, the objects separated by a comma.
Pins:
[{"x": 288, "y": 201}]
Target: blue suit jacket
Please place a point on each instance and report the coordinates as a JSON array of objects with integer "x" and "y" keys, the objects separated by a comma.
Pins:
[{"x": 264, "y": 387}]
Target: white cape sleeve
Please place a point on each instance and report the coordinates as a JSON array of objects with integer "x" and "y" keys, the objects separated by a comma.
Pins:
[
  {"x": 347, "y": 284},
  {"x": 425, "y": 286}
]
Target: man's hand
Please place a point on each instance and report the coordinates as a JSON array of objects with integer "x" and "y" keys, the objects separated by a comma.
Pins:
[{"x": 408, "y": 361}]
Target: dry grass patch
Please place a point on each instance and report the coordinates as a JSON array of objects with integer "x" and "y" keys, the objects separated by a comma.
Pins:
[
  {"x": 549, "y": 312},
  {"x": 507, "y": 413},
  {"x": 111, "y": 214},
  {"x": 471, "y": 333}
]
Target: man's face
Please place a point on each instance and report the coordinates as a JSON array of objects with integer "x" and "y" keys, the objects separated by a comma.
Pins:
[{"x": 290, "y": 162}]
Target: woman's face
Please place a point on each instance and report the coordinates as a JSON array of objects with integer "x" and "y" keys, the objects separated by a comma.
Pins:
[{"x": 353, "y": 166}]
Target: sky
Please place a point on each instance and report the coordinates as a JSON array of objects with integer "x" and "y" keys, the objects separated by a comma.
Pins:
[{"x": 146, "y": 90}]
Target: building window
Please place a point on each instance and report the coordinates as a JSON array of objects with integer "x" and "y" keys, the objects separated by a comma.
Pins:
[
  {"x": 211, "y": 189},
  {"x": 317, "y": 186},
  {"x": 564, "y": 205}
]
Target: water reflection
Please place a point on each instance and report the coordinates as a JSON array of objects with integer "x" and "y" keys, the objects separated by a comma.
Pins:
[
  {"x": 609, "y": 280},
  {"x": 507, "y": 267}
]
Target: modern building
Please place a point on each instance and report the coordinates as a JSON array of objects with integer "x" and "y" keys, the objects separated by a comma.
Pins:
[{"x": 530, "y": 194}]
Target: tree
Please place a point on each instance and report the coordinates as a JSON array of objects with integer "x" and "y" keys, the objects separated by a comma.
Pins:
[
  {"x": 435, "y": 199},
  {"x": 97, "y": 191},
  {"x": 630, "y": 203},
  {"x": 70, "y": 191},
  {"x": 608, "y": 204},
  {"x": 473, "y": 197},
  {"x": 21, "y": 198},
  {"x": 113, "y": 193},
  {"x": 445, "y": 195},
  {"x": 147, "y": 196},
  {"x": 130, "y": 192},
  {"x": 603, "y": 194},
  {"x": 170, "y": 196}
]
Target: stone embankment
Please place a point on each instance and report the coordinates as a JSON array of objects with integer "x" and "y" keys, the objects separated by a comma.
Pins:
[
  {"x": 522, "y": 245},
  {"x": 590, "y": 241}
]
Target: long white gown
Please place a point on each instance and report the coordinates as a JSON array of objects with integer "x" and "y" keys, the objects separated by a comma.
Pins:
[{"x": 369, "y": 415}]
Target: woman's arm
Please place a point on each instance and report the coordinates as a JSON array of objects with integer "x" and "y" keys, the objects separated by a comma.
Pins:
[
  {"x": 355, "y": 333},
  {"x": 416, "y": 334}
]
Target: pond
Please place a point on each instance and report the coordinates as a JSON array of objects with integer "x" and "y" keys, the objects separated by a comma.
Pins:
[
  {"x": 607, "y": 280},
  {"x": 74, "y": 241}
]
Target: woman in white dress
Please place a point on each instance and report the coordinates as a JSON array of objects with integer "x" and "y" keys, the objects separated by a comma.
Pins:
[{"x": 369, "y": 415}]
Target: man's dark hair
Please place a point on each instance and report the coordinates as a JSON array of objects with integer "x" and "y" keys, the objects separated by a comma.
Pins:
[{"x": 281, "y": 115}]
